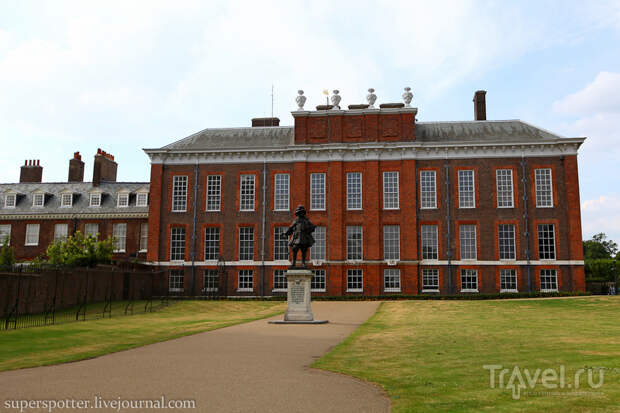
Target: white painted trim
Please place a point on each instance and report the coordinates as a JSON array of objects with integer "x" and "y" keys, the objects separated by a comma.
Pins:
[
  {"x": 430, "y": 291},
  {"x": 430, "y": 263},
  {"x": 508, "y": 291},
  {"x": 76, "y": 215},
  {"x": 392, "y": 290},
  {"x": 366, "y": 151},
  {"x": 469, "y": 291}
]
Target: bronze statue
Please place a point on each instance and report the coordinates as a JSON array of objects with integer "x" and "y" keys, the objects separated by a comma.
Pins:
[{"x": 301, "y": 230}]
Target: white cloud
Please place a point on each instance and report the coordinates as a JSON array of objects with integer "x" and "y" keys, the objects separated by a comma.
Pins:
[
  {"x": 601, "y": 214},
  {"x": 599, "y": 97}
]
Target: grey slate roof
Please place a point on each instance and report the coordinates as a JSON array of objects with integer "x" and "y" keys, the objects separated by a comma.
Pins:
[
  {"x": 425, "y": 132},
  {"x": 81, "y": 199},
  {"x": 224, "y": 138},
  {"x": 481, "y": 131}
]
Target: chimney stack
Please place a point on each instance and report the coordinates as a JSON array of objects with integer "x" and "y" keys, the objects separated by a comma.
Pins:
[
  {"x": 31, "y": 171},
  {"x": 104, "y": 168},
  {"x": 262, "y": 122},
  {"x": 480, "y": 105},
  {"x": 76, "y": 168}
]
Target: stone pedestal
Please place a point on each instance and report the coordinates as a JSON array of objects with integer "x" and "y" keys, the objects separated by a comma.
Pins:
[{"x": 299, "y": 310}]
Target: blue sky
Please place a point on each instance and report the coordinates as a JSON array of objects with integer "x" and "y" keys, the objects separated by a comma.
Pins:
[{"x": 122, "y": 76}]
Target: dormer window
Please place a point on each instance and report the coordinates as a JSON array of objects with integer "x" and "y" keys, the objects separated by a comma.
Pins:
[
  {"x": 9, "y": 201},
  {"x": 95, "y": 200},
  {"x": 123, "y": 200},
  {"x": 142, "y": 199},
  {"x": 38, "y": 200},
  {"x": 66, "y": 200}
]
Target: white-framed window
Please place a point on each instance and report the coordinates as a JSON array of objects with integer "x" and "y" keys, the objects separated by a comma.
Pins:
[
  {"x": 119, "y": 232},
  {"x": 38, "y": 200},
  {"x": 212, "y": 243},
  {"x": 246, "y": 243},
  {"x": 95, "y": 199},
  {"x": 32, "y": 234},
  {"x": 506, "y": 240},
  {"x": 428, "y": 190},
  {"x": 246, "y": 281},
  {"x": 317, "y": 191},
  {"x": 390, "y": 190},
  {"x": 546, "y": 241},
  {"x": 210, "y": 281},
  {"x": 467, "y": 237},
  {"x": 430, "y": 280},
  {"x": 280, "y": 244},
  {"x": 5, "y": 234},
  {"x": 391, "y": 280},
  {"x": 61, "y": 232},
  {"x": 469, "y": 280},
  {"x": 281, "y": 192},
  {"x": 391, "y": 242},
  {"x": 176, "y": 281},
  {"x": 354, "y": 242},
  {"x": 214, "y": 192},
  {"x": 430, "y": 240},
  {"x": 548, "y": 281},
  {"x": 66, "y": 200},
  {"x": 177, "y": 244},
  {"x": 122, "y": 200},
  {"x": 91, "y": 230},
  {"x": 10, "y": 200},
  {"x": 317, "y": 251},
  {"x": 144, "y": 237},
  {"x": 246, "y": 202},
  {"x": 179, "y": 193},
  {"x": 142, "y": 199},
  {"x": 503, "y": 181},
  {"x": 544, "y": 188},
  {"x": 318, "y": 281},
  {"x": 279, "y": 280},
  {"x": 355, "y": 281},
  {"x": 354, "y": 190},
  {"x": 508, "y": 280},
  {"x": 467, "y": 192}
]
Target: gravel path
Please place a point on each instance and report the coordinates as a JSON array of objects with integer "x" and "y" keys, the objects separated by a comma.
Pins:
[{"x": 253, "y": 367}]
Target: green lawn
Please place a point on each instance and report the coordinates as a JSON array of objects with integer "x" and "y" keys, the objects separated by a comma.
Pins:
[
  {"x": 30, "y": 347},
  {"x": 429, "y": 355}
]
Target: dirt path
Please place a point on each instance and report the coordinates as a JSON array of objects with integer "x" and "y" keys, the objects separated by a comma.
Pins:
[{"x": 253, "y": 367}]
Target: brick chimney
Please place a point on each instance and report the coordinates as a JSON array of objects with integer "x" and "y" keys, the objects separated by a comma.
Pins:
[
  {"x": 76, "y": 168},
  {"x": 31, "y": 171},
  {"x": 480, "y": 105},
  {"x": 104, "y": 168},
  {"x": 262, "y": 122}
]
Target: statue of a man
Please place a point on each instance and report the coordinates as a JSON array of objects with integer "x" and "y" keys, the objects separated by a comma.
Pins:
[{"x": 301, "y": 230}]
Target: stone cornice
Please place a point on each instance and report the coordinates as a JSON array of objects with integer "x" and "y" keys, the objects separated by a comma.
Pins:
[{"x": 369, "y": 151}]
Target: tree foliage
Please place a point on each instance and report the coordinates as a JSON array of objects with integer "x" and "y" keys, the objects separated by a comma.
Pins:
[
  {"x": 80, "y": 251},
  {"x": 599, "y": 247},
  {"x": 7, "y": 254}
]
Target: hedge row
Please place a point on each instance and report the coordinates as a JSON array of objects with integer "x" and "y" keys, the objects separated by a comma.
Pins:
[{"x": 394, "y": 297}]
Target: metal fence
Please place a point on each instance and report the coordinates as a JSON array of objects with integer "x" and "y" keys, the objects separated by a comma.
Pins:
[{"x": 39, "y": 296}]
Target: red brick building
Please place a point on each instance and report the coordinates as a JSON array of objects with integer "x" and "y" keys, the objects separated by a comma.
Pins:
[
  {"x": 33, "y": 213},
  {"x": 401, "y": 207}
]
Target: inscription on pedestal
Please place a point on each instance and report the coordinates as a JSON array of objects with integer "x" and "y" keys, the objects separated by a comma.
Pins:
[{"x": 297, "y": 293}]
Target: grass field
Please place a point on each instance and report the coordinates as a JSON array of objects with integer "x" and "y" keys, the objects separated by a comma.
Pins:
[
  {"x": 429, "y": 355},
  {"x": 30, "y": 347}
]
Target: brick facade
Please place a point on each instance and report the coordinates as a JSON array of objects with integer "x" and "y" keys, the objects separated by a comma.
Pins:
[{"x": 347, "y": 129}]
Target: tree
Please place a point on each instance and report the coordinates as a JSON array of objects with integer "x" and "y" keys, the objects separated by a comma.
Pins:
[
  {"x": 7, "y": 255},
  {"x": 80, "y": 251},
  {"x": 599, "y": 247}
]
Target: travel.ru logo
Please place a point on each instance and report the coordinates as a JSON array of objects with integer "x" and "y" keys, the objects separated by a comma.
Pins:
[{"x": 518, "y": 379}]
